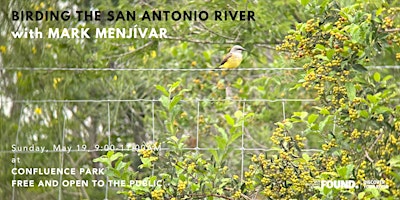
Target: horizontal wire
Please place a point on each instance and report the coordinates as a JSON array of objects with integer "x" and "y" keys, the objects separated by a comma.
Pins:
[
  {"x": 167, "y": 69},
  {"x": 155, "y": 100},
  {"x": 150, "y": 100},
  {"x": 135, "y": 150},
  {"x": 145, "y": 69}
]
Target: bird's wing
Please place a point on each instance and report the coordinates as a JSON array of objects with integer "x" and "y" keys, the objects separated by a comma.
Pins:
[{"x": 226, "y": 58}]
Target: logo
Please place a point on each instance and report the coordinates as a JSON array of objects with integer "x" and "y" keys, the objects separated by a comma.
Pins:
[
  {"x": 339, "y": 184},
  {"x": 349, "y": 184}
]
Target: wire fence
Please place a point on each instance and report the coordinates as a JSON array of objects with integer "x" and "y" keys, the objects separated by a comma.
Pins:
[
  {"x": 169, "y": 69},
  {"x": 242, "y": 149},
  {"x": 154, "y": 102}
]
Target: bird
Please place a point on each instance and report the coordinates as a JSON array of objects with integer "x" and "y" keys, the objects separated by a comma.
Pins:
[{"x": 233, "y": 58}]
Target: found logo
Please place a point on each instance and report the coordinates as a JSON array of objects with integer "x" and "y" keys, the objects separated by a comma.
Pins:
[{"x": 338, "y": 184}]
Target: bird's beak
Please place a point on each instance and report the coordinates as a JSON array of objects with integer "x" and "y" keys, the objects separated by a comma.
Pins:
[{"x": 243, "y": 49}]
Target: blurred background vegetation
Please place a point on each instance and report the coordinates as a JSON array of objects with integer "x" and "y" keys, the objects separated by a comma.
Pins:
[{"x": 190, "y": 45}]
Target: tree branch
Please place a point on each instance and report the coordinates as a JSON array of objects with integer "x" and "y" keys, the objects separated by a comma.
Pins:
[
  {"x": 263, "y": 45},
  {"x": 392, "y": 30},
  {"x": 215, "y": 33},
  {"x": 131, "y": 52},
  {"x": 370, "y": 148},
  {"x": 201, "y": 196}
]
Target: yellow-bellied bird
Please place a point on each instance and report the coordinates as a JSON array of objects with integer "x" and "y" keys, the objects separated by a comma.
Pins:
[{"x": 233, "y": 58}]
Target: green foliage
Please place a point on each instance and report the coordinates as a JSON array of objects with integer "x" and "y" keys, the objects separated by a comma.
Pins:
[
  {"x": 335, "y": 47},
  {"x": 184, "y": 175},
  {"x": 116, "y": 167},
  {"x": 354, "y": 124}
]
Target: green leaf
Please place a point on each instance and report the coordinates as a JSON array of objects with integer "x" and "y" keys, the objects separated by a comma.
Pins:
[
  {"x": 301, "y": 115},
  {"x": 239, "y": 81},
  {"x": 101, "y": 160},
  {"x": 116, "y": 156},
  {"x": 298, "y": 85},
  {"x": 324, "y": 111},
  {"x": 319, "y": 56},
  {"x": 364, "y": 114},
  {"x": 140, "y": 189},
  {"x": 174, "y": 52},
  {"x": 305, "y": 156},
  {"x": 280, "y": 124},
  {"x": 288, "y": 125},
  {"x": 326, "y": 191},
  {"x": 372, "y": 99},
  {"x": 323, "y": 123},
  {"x": 377, "y": 77},
  {"x": 395, "y": 161},
  {"x": 382, "y": 109},
  {"x": 320, "y": 47},
  {"x": 361, "y": 195},
  {"x": 360, "y": 68},
  {"x": 229, "y": 120},
  {"x": 162, "y": 89},
  {"x": 326, "y": 26},
  {"x": 164, "y": 101},
  {"x": 194, "y": 187},
  {"x": 174, "y": 138},
  {"x": 312, "y": 118},
  {"x": 110, "y": 153},
  {"x": 342, "y": 171},
  {"x": 146, "y": 162},
  {"x": 112, "y": 173},
  {"x": 207, "y": 55},
  {"x": 330, "y": 53},
  {"x": 215, "y": 154},
  {"x": 221, "y": 142},
  {"x": 345, "y": 171},
  {"x": 238, "y": 114},
  {"x": 355, "y": 32},
  {"x": 249, "y": 116},
  {"x": 304, "y": 2},
  {"x": 119, "y": 165},
  {"x": 184, "y": 45},
  {"x": 351, "y": 91},
  {"x": 327, "y": 175},
  {"x": 388, "y": 77},
  {"x": 181, "y": 92},
  {"x": 379, "y": 11},
  {"x": 374, "y": 191},
  {"x": 174, "y": 101},
  {"x": 222, "y": 131},
  {"x": 174, "y": 86},
  {"x": 234, "y": 137}
]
